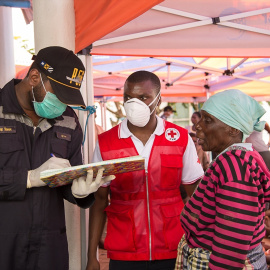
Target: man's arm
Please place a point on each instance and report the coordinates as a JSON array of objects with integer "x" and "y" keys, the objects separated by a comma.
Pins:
[
  {"x": 97, "y": 218},
  {"x": 192, "y": 169},
  {"x": 191, "y": 187},
  {"x": 184, "y": 195}
]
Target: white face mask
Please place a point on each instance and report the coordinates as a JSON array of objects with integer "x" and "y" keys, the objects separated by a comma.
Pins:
[{"x": 138, "y": 113}]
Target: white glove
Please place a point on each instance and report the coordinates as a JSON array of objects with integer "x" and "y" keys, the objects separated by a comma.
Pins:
[
  {"x": 83, "y": 186},
  {"x": 33, "y": 179}
]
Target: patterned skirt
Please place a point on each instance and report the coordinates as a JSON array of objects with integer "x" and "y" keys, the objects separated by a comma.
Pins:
[{"x": 198, "y": 258}]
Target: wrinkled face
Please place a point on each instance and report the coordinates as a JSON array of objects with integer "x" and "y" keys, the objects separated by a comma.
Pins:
[
  {"x": 195, "y": 118},
  {"x": 213, "y": 135}
]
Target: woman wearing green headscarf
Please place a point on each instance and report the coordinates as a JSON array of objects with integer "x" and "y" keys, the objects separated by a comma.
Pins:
[{"x": 223, "y": 220}]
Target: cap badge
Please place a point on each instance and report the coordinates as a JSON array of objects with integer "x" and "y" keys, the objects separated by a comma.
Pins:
[
  {"x": 46, "y": 66},
  {"x": 77, "y": 76},
  {"x": 76, "y": 80},
  {"x": 172, "y": 134}
]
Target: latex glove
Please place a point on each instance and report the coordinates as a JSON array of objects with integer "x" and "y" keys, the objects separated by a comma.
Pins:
[
  {"x": 33, "y": 179},
  {"x": 83, "y": 186}
]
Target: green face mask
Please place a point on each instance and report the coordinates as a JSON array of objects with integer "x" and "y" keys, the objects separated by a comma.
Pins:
[{"x": 50, "y": 107}]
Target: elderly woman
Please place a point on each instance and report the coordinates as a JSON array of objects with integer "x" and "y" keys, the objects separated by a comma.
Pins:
[{"x": 224, "y": 219}]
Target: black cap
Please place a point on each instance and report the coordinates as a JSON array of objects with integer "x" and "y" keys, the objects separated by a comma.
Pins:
[
  {"x": 65, "y": 72},
  {"x": 168, "y": 108}
]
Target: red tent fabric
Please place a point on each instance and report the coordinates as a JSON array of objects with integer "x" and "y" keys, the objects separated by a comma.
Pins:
[{"x": 94, "y": 19}]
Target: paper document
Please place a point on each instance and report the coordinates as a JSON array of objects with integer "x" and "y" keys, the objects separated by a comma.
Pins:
[{"x": 60, "y": 177}]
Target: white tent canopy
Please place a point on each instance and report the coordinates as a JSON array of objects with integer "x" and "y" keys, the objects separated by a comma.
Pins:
[
  {"x": 196, "y": 48},
  {"x": 194, "y": 28}
]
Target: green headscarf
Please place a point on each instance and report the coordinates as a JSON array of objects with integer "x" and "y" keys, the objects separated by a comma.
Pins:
[{"x": 237, "y": 110}]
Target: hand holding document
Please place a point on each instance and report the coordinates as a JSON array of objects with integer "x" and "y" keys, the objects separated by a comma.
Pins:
[
  {"x": 83, "y": 186},
  {"x": 60, "y": 177}
]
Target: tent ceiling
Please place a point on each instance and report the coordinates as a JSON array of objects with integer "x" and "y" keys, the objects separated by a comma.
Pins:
[
  {"x": 191, "y": 79},
  {"x": 194, "y": 28},
  {"x": 183, "y": 79},
  {"x": 195, "y": 47}
]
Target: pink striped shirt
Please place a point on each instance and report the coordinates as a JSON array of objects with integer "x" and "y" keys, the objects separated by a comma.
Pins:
[{"x": 225, "y": 214}]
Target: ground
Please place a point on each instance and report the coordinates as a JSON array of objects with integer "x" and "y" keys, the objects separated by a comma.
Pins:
[{"x": 104, "y": 261}]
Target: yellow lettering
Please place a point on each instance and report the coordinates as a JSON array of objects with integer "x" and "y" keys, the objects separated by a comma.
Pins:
[
  {"x": 74, "y": 75},
  {"x": 1, "y": 129},
  {"x": 7, "y": 129},
  {"x": 80, "y": 76}
]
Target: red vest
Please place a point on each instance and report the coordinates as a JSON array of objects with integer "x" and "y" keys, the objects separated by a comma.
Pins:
[{"x": 144, "y": 214}]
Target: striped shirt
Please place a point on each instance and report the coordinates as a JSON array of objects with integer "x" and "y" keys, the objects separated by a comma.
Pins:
[{"x": 225, "y": 214}]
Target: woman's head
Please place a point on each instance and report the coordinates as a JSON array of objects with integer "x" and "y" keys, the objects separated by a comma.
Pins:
[
  {"x": 195, "y": 118},
  {"x": 228, "y": 117},
  {"x": 214, "y": 135}
]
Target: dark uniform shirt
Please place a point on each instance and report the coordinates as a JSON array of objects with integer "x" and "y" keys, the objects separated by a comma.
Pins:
[{"x": 32, "y": 224}]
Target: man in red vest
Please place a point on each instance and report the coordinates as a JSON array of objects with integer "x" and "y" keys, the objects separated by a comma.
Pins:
[{"x": 143, "y": 228}]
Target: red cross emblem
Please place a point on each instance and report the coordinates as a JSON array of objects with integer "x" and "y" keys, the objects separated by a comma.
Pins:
[{"x": 172, "y": 134}]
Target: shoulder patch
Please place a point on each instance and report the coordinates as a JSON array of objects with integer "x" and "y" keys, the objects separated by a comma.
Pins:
[
  {"x": 68, "y": 122},
  {"x": 172, "y": 134}
]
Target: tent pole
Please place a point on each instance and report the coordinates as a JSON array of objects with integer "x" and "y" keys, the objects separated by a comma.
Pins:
[
  {"x": 238, "y": 64},
  {"x": 105, "y": 122},
  {"x": 90, "y": 149},
  {"x": 103, "y": 113},
  {"x": 188, "y": 71},
  {"x": 228, "y": 63},
  {"x": 7, "y": 65},
  {"x": 46, "y": 34},
  {"x": 83, "y": 213}
]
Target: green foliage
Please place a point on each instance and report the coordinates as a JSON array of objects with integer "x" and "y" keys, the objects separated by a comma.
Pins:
[
  {"x": 196, "y": 106},
  {"x": 185, "y": 105},
  {"x": 24, "y": 44}
]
